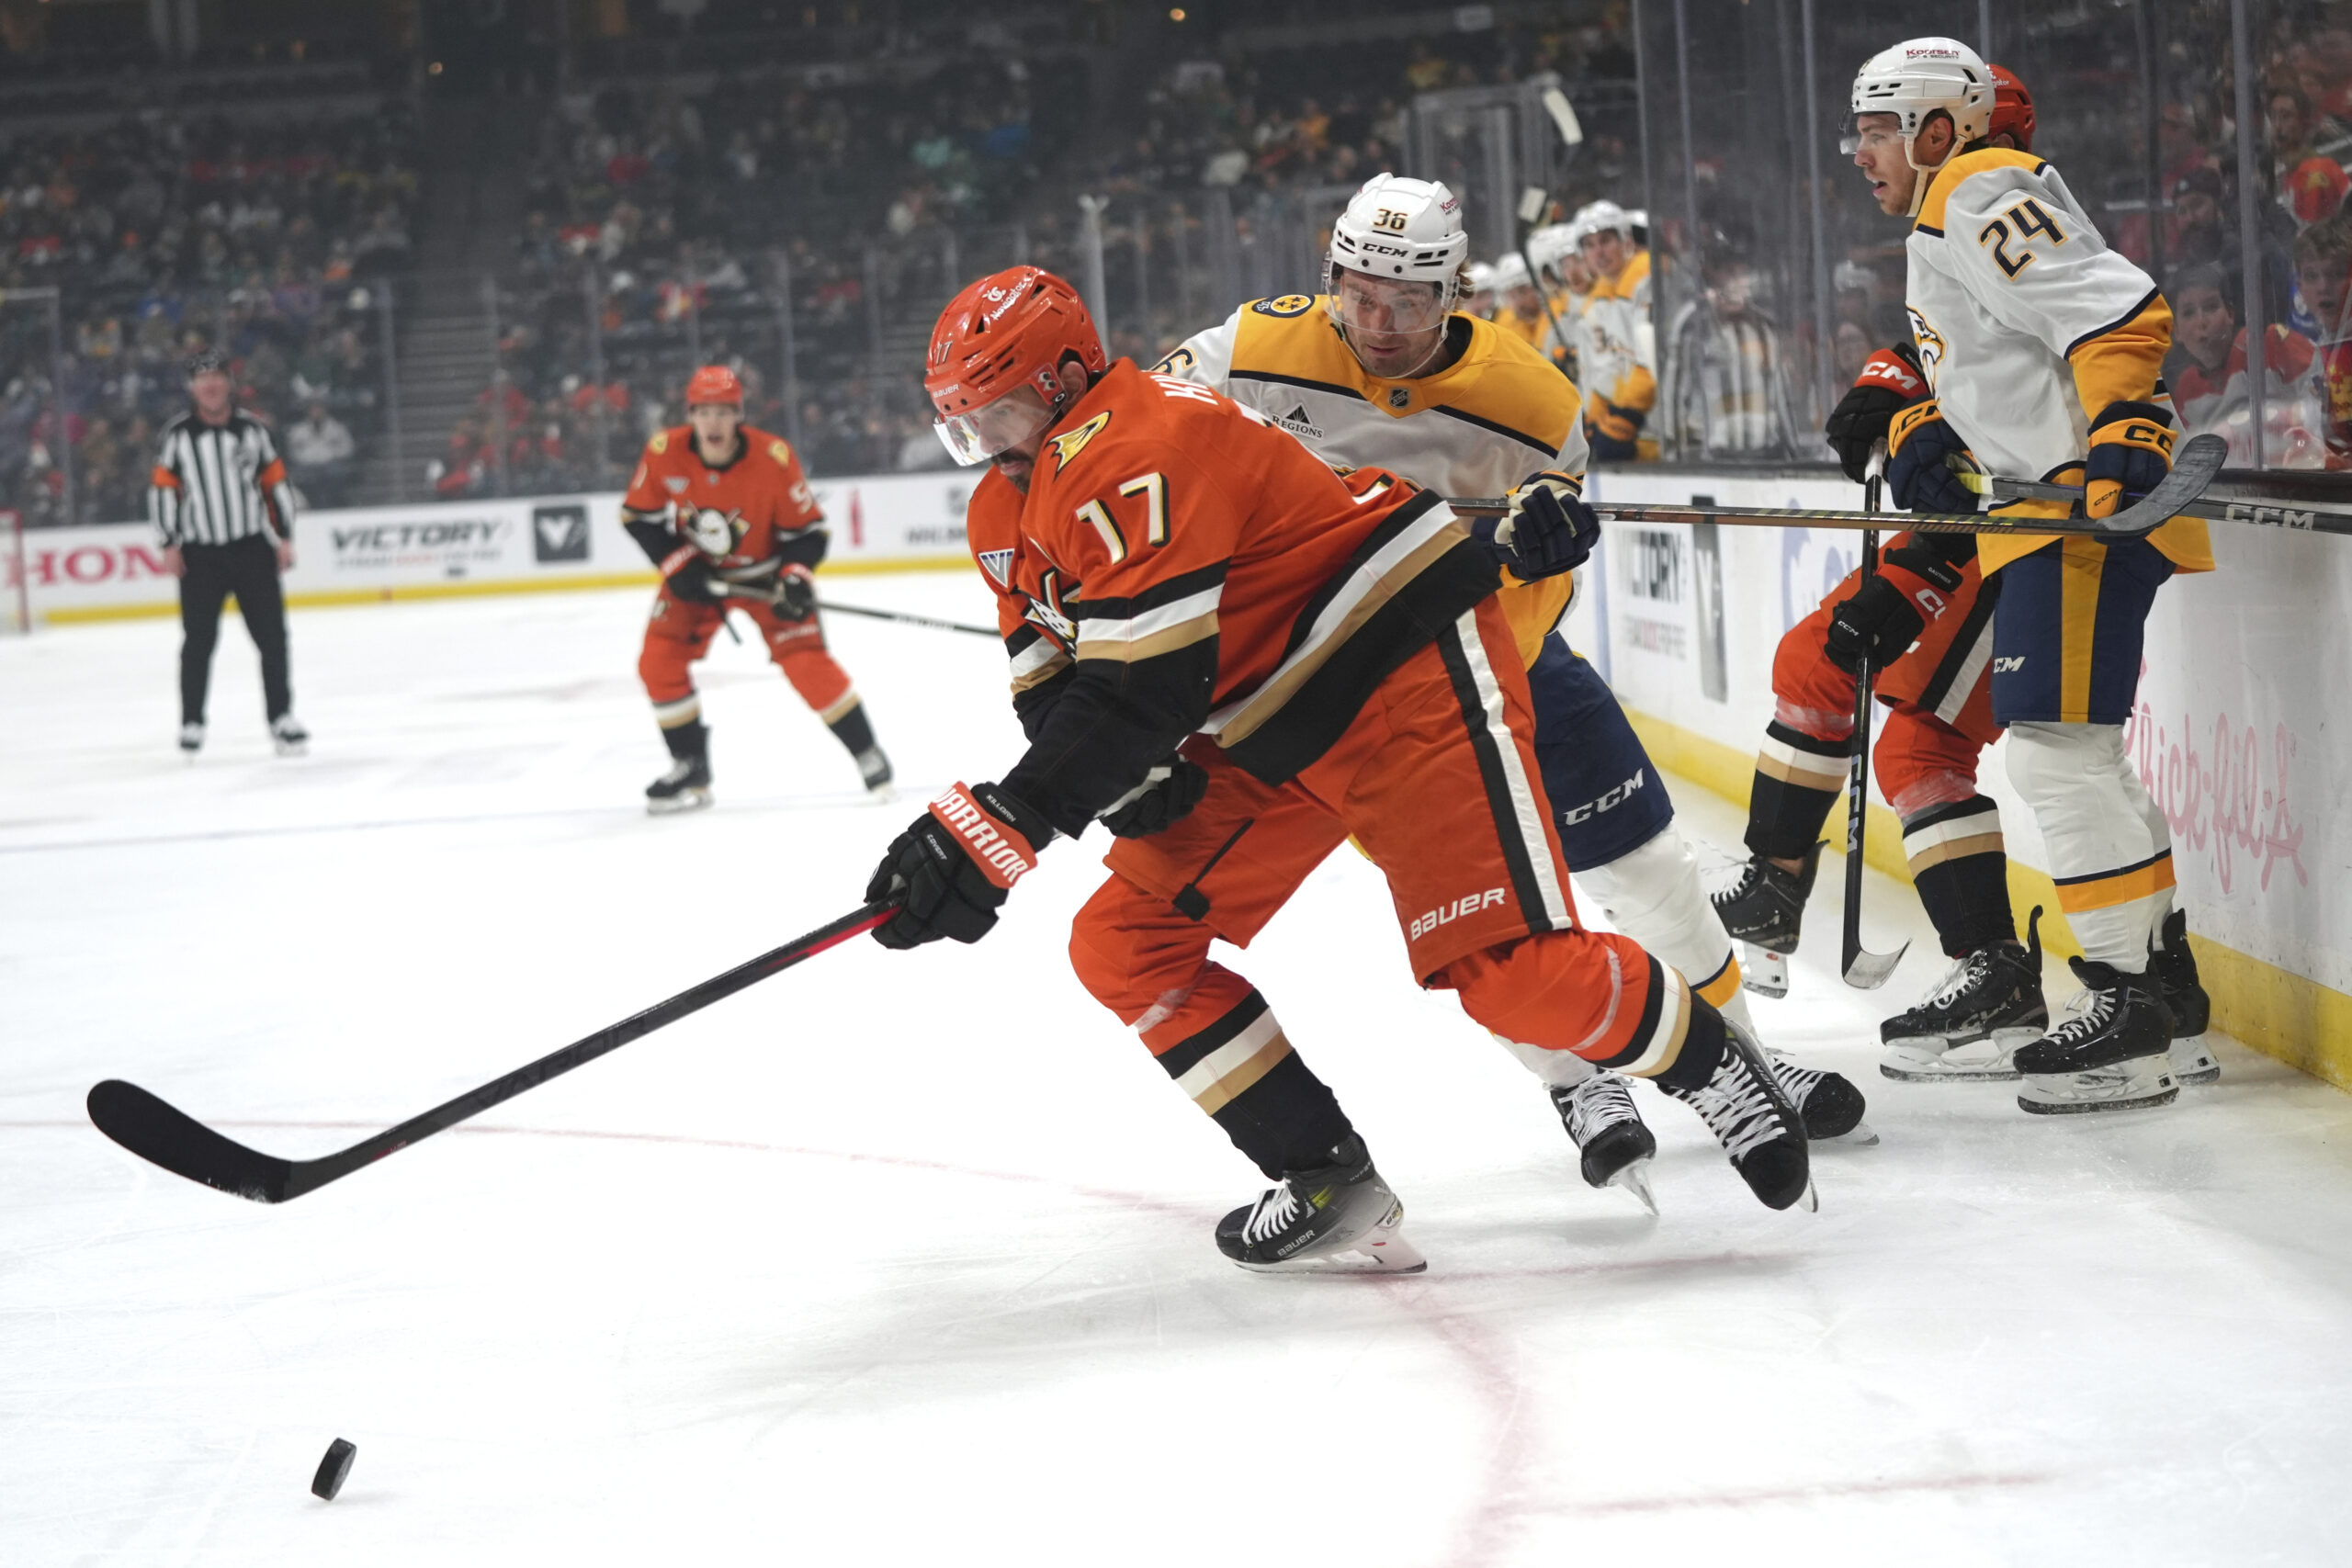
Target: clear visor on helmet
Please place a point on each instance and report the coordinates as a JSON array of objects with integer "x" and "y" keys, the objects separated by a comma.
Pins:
[
  {"x": 1883, "y": 134},
  {"x": 1384, "y": 306},
  {"x": 977, "y": 435}
]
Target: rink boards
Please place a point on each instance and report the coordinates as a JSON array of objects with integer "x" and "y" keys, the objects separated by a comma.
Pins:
[{"x": 2236, "y": 733}]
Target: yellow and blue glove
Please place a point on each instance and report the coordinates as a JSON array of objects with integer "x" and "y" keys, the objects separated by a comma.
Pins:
[
  {"x": 2130, "y": 454},
  {"x": 1919, "y": 449}
]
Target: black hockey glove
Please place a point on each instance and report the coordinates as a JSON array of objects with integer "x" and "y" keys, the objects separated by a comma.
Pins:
[
  {"x": 952, "y": 868},
  {"x": 1167, "y": 794},
  {"x": 795, "y": 594},
  {"x": 686, "y": 574},
  {"x": 1918, "y": 470},
  {"x": 1913, "y": 584},
  {"x": 1891, "y": 380},
  {"x": 1549, "y": 530},
  {"x": 2130, "y": 454}
]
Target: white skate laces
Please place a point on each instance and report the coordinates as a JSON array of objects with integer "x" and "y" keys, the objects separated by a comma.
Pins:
[
  {"x": 1739, "y": 1112},
  {"x": 2087, "y": 1011},
  {"x": 1274, "y": 1213},
  {"x": 1598, "y": 1104}
]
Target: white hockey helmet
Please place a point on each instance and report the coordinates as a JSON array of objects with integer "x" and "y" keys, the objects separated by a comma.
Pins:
[
  {"x": 1915, "y": 79},
  {"x": 1479, "y": 277},
  {"x": 1403, "y": 230},
  {"x": 1510, "y": 273},
  {"x": 1598, "y": 218},
  {"x": 1549, "y": 246}
]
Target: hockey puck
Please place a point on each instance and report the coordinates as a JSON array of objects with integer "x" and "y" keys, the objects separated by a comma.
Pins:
[{"x": 333, "y": 1468}]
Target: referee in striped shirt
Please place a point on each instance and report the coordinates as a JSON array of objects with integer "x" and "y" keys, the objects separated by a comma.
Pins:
[{"x": 220, "y": 501}]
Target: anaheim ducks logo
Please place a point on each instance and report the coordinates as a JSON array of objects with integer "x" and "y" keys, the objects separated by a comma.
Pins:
[
  {"x": 1069, "y": 444},
  {"x": 1930, "y": 341}
]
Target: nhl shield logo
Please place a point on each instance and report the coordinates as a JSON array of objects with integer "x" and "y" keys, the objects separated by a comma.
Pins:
[
  {"x": 998, "y": 564},
  {"x": 1400, "y": 397}
]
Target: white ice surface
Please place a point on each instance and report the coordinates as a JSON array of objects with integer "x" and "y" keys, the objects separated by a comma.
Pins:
[{"x": 904, "y": 1258}]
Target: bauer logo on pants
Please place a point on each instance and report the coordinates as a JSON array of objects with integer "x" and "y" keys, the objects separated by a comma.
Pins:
[
  {"x": 560, "y": 533},
  {"x": 1468, "y": 904}
]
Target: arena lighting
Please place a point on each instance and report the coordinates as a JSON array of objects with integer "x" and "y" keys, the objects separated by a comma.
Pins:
[{"x": 1176, "y": 13}]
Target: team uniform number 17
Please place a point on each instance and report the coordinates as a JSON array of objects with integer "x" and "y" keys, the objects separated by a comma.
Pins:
[{"x": 1153, "y": 487}]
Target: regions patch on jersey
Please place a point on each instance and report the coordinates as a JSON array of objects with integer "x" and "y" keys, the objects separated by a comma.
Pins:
[
  {"x": 1297, "y": 423},
  {"x": 1069, "y": 444},
  {"x": 1285, "y": 305},
  {"x": 781, "y": 451},
  {"x": 999, "y": 565}
]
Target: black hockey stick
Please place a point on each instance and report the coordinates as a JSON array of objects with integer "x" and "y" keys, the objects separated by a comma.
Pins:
[
  {"x": 827, "y": 605},
  {"x": 161, "y": 1134},
  {"x": 1863, "y": 970},
  {"x": 2194, "y": 468},
  {"x": 2262, "y": 511}
]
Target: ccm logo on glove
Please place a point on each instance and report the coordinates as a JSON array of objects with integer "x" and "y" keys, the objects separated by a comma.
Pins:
[{"x": 1000, "y": 857}]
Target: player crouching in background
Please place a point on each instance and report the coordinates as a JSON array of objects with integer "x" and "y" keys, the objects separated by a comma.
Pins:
[{"x": 725, "y": 513}]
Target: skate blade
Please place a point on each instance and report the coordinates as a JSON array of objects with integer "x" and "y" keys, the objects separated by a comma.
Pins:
[
  {"x": 1811, "y": 1202},
  {"x": 1764, "y": 972},
  {"x": 1635, "y": 1179},
  {"x": 1928, "y": 1059},
  {"x": 881, "y": 794},
  {"x": 1910, "y": 1072},
  {"x": 1859, "y": 1134},
  {"x": 683, "y": 801},
  {"x": 297, "y": 748},
  {"x": 2112, "y": 1088}
]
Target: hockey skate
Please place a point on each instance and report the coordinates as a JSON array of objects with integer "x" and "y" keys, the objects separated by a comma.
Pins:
[
  {"x": 1763, "y": 909},
  {"x": 685, "y": 787},
  {"x": 1827, "y": 1103},
  {"x": 1614, "y": 1148},
  {"x": 2113, "y": 1052},
  {"x": 2174, "y": 969},
  {"x": 1339, "y": 1218},
  {"x": 1751, "y": 1116},
  {"x": 1968, "y": 1028},
  {"x": 875, "y": 768},
  {"x": 285, "y": 733},
  {"x": 192, "y": 739}
]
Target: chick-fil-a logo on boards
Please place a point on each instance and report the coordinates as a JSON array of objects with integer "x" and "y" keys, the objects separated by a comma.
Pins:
[{"x": 2223, "y": 798}]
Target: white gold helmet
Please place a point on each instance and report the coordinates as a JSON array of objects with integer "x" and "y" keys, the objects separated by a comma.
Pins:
[
  {"x": 1914, "y": 80},
  {"x": 1407, "y": 230},
  {"x": 1598, "y": 218},
  {"x": 1549, "y": 246}
]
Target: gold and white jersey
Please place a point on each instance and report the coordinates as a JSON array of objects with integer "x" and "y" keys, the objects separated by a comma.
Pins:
[
  {"x": 2028, "y": 326},
  {"x": 1615, "y": 343},
  {"x": 1499, "y": 412}
]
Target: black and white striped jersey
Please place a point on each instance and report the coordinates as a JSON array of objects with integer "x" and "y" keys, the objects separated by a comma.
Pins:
[{"x": 217, "y": 483}]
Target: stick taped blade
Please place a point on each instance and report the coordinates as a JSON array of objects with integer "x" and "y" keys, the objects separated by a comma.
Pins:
[
  {"x": 1867, "y": 970},
  {"x": 161, "y": 1135}
]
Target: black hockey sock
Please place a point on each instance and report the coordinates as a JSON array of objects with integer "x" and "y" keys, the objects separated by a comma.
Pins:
[
  {"x": 1962, "y": 870},
  {"x": 689, "y": 742},
  {"x": 852, "y": 730},
  {"x": 1702, "y": 1050},
  {"x": 1273, "y": 1107},
  {"x": 1798, "y": 778}
]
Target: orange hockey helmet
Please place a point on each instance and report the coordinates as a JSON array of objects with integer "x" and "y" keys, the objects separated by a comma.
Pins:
[
  {"x": 1010, "y": 330},
  {"x": 2012, "y": 108},
  {"x": 714, "y": 384}
]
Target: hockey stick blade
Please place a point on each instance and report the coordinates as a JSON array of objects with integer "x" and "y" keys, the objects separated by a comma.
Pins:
[{"x": 161, "y": 1134}]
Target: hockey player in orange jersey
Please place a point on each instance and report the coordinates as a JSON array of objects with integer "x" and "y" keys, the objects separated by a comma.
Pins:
[
  {"x": 1237, "y": 658},
  {"x": 725, "y": 513}
]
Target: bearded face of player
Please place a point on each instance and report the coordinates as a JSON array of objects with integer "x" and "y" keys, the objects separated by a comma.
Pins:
[
  {"x": 715, "y": 426},
  {"x": 1010, "y": 432},
  {"x": 1393, "y": 327}
]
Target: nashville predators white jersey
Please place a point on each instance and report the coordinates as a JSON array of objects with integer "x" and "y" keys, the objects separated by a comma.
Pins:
[
  {"x": 2028, "y": 325},
  {"x": 1499, "y": 412}
]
